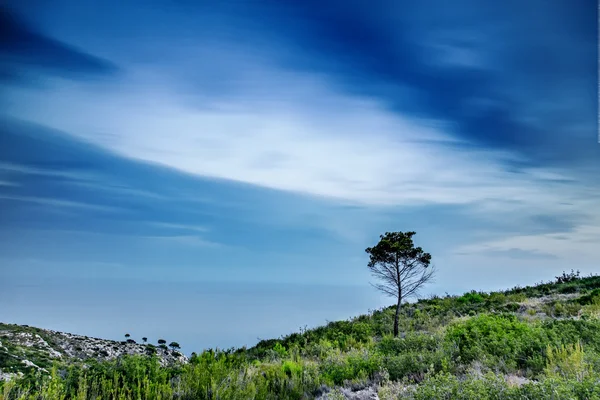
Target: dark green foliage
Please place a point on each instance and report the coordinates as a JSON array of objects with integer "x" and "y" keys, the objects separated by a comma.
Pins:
[
  {"x": 505, "y": 342},
  {"x": 590, "y": 298},
  {"x": 412, "y": 342},
  {"x": 355, "y": 365},
  {"x": 501, "y": 341},
  {"x": 562, "y": 309},
  {"x": 445, "y": 386},
  {"x": 471, "y": 298},
  {"x": 414, "y": 355},
  {"x": 568, "y": 284},
  {"x": 511, "y": 307},
  {"x": 567, "y": 289},
  {"x": 570, "y": 331}
]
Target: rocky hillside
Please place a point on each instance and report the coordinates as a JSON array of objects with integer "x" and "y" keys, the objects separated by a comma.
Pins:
[{"x": 25, "y": 349}]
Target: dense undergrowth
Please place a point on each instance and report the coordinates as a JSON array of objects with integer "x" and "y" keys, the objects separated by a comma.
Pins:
[{"x": 536, "y": 342}]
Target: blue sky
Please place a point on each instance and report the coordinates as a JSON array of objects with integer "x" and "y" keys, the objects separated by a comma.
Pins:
[{"x": 265, "y": 144}]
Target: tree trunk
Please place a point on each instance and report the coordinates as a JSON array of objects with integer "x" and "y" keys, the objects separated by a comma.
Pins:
[{"x": 397, "y": 316}]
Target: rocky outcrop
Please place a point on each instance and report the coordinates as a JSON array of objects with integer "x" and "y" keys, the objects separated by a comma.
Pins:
[
  {"x": 24, "y": 348},
  {"x": 368, "y": 393}
]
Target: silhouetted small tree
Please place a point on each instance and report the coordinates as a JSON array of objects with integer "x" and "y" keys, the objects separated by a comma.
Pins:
[
  {"x": 174, "y": 345},
  {"x": 144, "y": 339},
  {"x": 162, "y": 341},
  {"x": 127, "y": 335},
  {"x": 401, "y": 267},
  {"x": 568, "y": 277}
]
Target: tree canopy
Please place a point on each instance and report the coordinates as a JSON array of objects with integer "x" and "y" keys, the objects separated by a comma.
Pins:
[{"x": 401, "y": 268}]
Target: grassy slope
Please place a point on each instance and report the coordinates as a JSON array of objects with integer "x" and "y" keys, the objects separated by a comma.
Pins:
[
  {"x": 457, "y": 346},
  {"x": 564, "y": 298}
]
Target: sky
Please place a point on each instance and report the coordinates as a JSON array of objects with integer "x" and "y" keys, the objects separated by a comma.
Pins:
[{"x": 213, "y": 171}]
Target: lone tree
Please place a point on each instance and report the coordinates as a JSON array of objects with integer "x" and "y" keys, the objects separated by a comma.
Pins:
[
  {"x": 144, "y": 339},
  {"x": 401, "y": 267},
  {"x": 162, "y": 341},
  {"x": 174, "y": 345},
  {"x": 127, "y": 335}
]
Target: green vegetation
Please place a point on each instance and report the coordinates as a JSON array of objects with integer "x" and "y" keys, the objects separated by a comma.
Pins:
[
  {"x": 535, "y": 342},
  {"x": 37, "y": 353}
]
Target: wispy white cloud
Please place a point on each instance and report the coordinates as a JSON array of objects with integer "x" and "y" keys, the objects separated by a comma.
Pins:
[
  {"x": 146, "y": 239},
  {"x": 85, "y": 179},
  {"x": 53, "y": 202},
  {"x": 346, "y": 148},
  {"x": 187, "y": 240},
  {"x": 580, "y": 245},
  {"x": 193, "y": 228},
  {"x": 296, "y": 132},
  {"x": 106, "y": 186},
  {"x": 14, "y": 168},
  {"x": 8, "y": 183}
]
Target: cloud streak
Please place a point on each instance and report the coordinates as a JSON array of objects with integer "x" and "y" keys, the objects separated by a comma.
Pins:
[
  {"x": 24, "y": 49},
  {"x": 356, "y": 151},
  {"x": 577, "y": 246},
  {"x": 53, "y": 202}
]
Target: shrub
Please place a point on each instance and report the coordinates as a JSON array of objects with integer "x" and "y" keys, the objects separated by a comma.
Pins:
[
  {"x": 470, "y": 298},
  {"x": 500, "y": 341},
  {"x": 567, "y": 362},
  {"x": 561, "y": 309},
  {"x": 516, "y": 297},
  {"x": 496, "y": 298},
  {"x": 446, "y": 386},
  {"x": 491, "y": 386},
  {"x": 291, "y": 368},
  {"x": 412, "y": 342},
  {"x": 412, "y": 366},
  {"x": 569, "y": 331},
  {"x": 568, "y": 277},
  {"x": 355, "y": 365},
  {"x": 511, "y": 307},
  {"x": 590, "y": 298},
  {"x": 280, "y": 350}
]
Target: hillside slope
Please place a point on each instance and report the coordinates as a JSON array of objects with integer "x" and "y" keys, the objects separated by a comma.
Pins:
[
  {"x": 534, "y": 342},
  {"x": 25, "y": 349}
]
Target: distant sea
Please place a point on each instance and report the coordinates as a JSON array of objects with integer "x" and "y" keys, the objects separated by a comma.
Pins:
[{"x": 198, "y": 315}]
